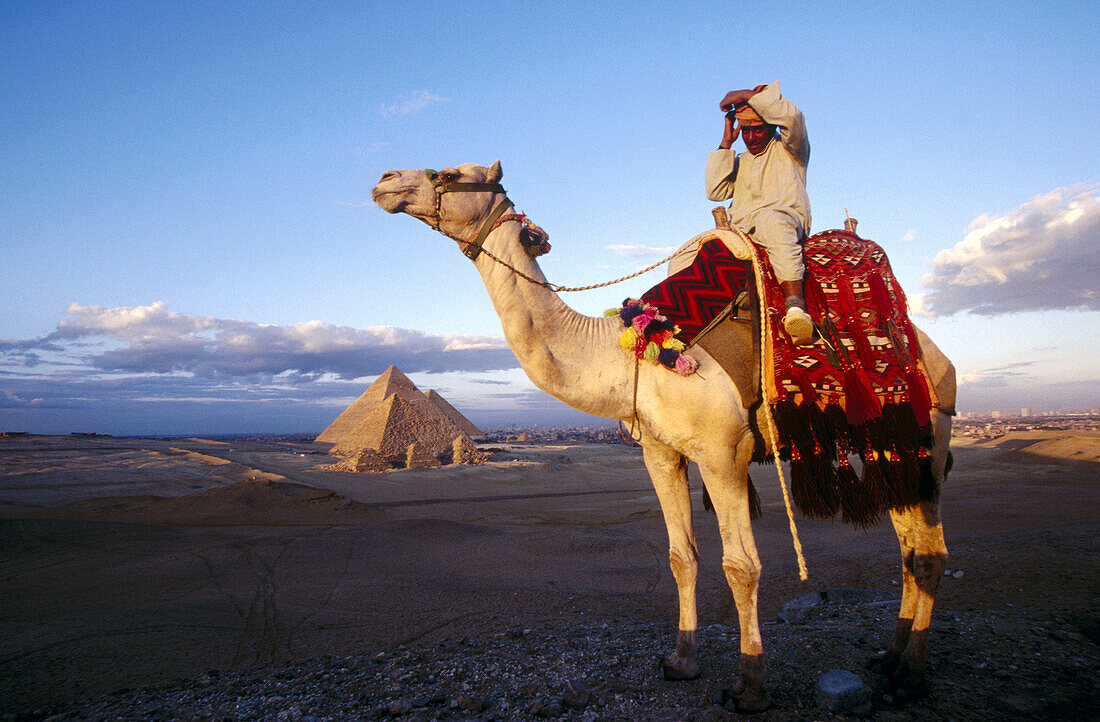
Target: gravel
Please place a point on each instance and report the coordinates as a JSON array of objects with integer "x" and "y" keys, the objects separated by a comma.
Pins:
[{"x": 982, "y": 665}]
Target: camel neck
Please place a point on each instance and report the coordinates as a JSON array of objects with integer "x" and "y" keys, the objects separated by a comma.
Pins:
[{"x": 558, "y": 348}]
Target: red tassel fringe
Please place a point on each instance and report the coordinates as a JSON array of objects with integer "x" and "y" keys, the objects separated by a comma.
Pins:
[
  {"x": 846, "y": 299},
  {"x": 809, "y": 393},
  {"x": 863, "y": 347},
  {"x": 861, "y": 403},
  {"x": 815, "y": 297},
  {"x": 919, "y": 398},
  {"x": 880, "y": 296}
]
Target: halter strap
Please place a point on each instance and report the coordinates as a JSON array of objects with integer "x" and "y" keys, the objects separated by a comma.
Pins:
[
  {"x": 472, "y": 249},
  {"x": 470, "y": 187}
]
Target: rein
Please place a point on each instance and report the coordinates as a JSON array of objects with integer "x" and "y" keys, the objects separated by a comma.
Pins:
[{"x": 473, "y": 249}]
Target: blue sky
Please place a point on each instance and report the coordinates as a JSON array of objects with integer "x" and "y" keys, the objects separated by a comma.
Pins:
[{"x": 187, "y": 243}]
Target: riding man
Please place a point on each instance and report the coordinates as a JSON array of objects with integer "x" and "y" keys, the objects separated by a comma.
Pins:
[{"x": 767, "y": 185}]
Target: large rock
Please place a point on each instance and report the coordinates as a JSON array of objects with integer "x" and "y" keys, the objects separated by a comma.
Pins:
[
  {"x": 798, "y": 610},
  {"x": 841, "y": 691}
]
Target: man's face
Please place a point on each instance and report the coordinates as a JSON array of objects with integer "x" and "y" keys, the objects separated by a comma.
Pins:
[{"x": 757, "y": 137}]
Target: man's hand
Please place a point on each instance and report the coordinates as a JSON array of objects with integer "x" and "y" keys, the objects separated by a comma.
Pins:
[
  {"x": 735, "y": 98},
  {"x": 730, "y": 133}
]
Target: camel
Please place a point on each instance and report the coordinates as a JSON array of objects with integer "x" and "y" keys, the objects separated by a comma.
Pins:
[{"x": 577, "y": 359}]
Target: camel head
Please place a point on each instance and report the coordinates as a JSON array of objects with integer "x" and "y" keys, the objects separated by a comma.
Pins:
[{"x": 442, "y": 199}]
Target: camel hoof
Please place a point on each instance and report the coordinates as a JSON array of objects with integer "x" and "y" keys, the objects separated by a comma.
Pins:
[
  {"x": 885, "y": 663},
  {"x": 678, "y": 669},
  {"x": 746, "y": 702},
  {"x": 905, "y": 685}
]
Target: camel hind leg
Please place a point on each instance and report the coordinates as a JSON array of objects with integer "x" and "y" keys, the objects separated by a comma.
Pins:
[
  {"x": 923, "y": 558},
  {"x": 668, "y": 471}
]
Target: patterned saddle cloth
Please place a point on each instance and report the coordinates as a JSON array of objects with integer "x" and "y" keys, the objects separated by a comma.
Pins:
[
  {"x": 860, "y": 389},
  {"x": 696, "y": 296}
]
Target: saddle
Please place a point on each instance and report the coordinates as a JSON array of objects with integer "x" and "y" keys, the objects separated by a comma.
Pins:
[
  {"x": 711, "y": 296},
  {"x": 860, "y": 389}
]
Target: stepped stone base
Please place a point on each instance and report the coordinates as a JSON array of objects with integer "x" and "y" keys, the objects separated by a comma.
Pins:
[
  {"x": 417, "y": 457},
  {"x": 464, "y": 451},
  {"x": 369, "y": 461}
]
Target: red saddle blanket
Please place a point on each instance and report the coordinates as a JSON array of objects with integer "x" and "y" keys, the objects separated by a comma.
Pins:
[
  {"x": 693, "y": 297},
  {"x": 860, "y": 389}
]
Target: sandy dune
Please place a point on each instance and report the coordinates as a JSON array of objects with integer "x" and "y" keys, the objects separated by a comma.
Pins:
[{"x": 131, "y": 561}]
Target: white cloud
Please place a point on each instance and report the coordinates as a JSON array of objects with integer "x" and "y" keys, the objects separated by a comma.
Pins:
[
  {"x": 370, "y": 148},
  {"x": 909, "y": 236},
  {"x": 1043, "y": 255},
  {"x": 994, "y": 376},
  {"x": 413, "y": 103},
  {"x": 151, "y": 339},
  {"x": 918, "y": 305}
]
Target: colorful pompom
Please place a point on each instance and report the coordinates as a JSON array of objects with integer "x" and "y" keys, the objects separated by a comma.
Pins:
[
  {"x": 640, "y": 322},
  {"x": 686, "y": 365},
  {"x": 661, "y": 338},
  {"x": 629, "y": 310},
  {"x": 651, "y": 336},
  {"x": 668, "y": 358}
]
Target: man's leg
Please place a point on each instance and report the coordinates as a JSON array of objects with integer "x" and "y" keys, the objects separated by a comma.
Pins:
[
  {"x": 779, "y": 235},
  {"x": 796, "y": 321}
]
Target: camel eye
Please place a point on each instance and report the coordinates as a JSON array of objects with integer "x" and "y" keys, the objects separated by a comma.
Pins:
[{"x": 448, "y": 176}]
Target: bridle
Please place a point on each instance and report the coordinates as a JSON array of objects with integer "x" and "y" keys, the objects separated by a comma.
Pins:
[{"x": 470, "y": 249}]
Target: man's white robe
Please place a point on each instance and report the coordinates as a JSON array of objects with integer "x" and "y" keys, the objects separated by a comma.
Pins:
[{"x": 768, "y": 191}]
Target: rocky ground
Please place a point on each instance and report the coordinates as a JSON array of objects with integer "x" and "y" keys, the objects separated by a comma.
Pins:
[
  {"x": 982, "y": 665},
  {"x": 203, "y": 580}
]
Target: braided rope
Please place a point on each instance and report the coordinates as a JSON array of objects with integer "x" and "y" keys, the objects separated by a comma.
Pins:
[
  {"x": 773, "y": 430},
  {"x": 647, "y": 269},
  {"x": 564, "y": 289}
]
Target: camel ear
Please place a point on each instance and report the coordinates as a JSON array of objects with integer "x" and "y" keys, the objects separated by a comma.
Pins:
[{"x": 495, "y": 173}]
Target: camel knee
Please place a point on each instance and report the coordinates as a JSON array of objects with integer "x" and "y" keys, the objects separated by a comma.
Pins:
[
  {"x": 743, "y": 575},
  {"x": 926, "y": 568},
  {"x": 685, "y": 565}
]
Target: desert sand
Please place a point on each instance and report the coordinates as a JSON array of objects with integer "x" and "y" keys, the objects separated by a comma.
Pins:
[{"x": 136, "y": 562}]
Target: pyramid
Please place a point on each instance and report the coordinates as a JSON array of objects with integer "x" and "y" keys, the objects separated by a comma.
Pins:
[
  {"x": 453, "y": 414},
  {"x": 391, "y": 382},
  {"x": 395, "y": 424},
  {"x": 392, "y": 414}
]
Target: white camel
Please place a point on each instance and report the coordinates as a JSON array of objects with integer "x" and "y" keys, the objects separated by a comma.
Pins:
[{"x": 577, "y": 359}]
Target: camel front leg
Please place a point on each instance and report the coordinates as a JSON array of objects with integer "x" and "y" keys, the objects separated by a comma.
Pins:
[
  {"x": 668, "y": 470},
  {"x": 727, "y": 481}
]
